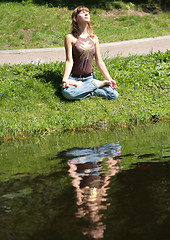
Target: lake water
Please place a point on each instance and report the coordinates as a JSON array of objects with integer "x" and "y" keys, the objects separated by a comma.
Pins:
[{"x": 112, "y": 185}]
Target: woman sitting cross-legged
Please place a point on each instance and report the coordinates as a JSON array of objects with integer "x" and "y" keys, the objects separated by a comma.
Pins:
[{"x": 81, "y": 46}]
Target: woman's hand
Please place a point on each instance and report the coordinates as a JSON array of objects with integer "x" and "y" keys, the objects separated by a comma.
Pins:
[
  {"x": 65, "y": 84},
  {"x": 113, "y": 84}
]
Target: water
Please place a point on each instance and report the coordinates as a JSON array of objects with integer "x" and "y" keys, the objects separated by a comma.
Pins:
[{"x": 95, "y": 185}]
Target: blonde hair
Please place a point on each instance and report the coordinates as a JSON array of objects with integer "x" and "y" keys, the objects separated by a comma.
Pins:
[{"x": 75, "y": 27}]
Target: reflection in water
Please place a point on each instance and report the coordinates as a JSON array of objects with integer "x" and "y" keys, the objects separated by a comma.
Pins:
[
  {"x": 37, "y": 199},
  {"x": 91, "y": 170}
]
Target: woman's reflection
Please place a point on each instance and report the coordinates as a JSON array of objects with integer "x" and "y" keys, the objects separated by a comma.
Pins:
[{"x": 91, "y": 170}]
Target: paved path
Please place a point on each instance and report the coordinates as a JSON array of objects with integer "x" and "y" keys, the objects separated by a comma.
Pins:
[{"x": 108, "y": 50}]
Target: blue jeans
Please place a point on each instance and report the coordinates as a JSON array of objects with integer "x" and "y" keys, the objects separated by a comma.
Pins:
[{"x": 88, "y": 88}]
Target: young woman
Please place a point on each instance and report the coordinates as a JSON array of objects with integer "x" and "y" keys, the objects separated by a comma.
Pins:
[{"x": 81, "y": 46}]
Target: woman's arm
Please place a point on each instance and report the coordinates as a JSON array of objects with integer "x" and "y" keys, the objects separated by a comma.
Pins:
[
  {"x": 100, "y": 64},
  {"x": 69, "y": 60}
]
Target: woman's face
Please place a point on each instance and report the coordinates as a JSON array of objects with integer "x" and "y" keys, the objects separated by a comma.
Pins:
[{"x": 83, "y": 16}]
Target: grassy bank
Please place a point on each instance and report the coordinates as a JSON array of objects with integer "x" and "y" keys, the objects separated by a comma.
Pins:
[
  {"x": 31, "y": 102},
  {"x": 25, "y": 25}
]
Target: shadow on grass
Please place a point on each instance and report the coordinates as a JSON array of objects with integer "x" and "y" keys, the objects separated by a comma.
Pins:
[{"x": 55, "y": 78}]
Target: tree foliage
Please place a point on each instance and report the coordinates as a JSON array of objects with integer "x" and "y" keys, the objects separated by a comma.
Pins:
[{"x": 148, "y": 5}]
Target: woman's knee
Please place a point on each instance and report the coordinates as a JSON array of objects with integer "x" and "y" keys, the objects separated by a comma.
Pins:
[
  {"x": 67, "y": 94},
  {"x": 113, "y": 95},
  {"x": 116, "y": 94}
]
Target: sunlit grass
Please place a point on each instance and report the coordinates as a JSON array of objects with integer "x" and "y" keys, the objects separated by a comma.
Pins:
[
  {"x": 31, "y": 101},
  {"x": 33, "y": 26}
]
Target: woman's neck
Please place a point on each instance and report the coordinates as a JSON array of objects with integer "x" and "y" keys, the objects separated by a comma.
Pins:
[
  {"x": 83, "y": 30},
  {"x": 84, "y": 35}
]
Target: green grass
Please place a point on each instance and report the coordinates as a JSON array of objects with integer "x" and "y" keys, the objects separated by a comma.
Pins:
[
  {"x": 26, "y": 25},
  {"x": 31, "y": 102}
]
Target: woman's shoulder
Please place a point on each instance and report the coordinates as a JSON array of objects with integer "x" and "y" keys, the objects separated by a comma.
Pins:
[
  {"x": 69, "y": 35},
  {"x": 95, "y": 39},
  {"x": 70, "y": 38}
]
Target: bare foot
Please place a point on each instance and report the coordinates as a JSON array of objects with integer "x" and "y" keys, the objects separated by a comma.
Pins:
[
  {"x": 102, "y": 83},
  {"x": 76, "y": 83}
]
